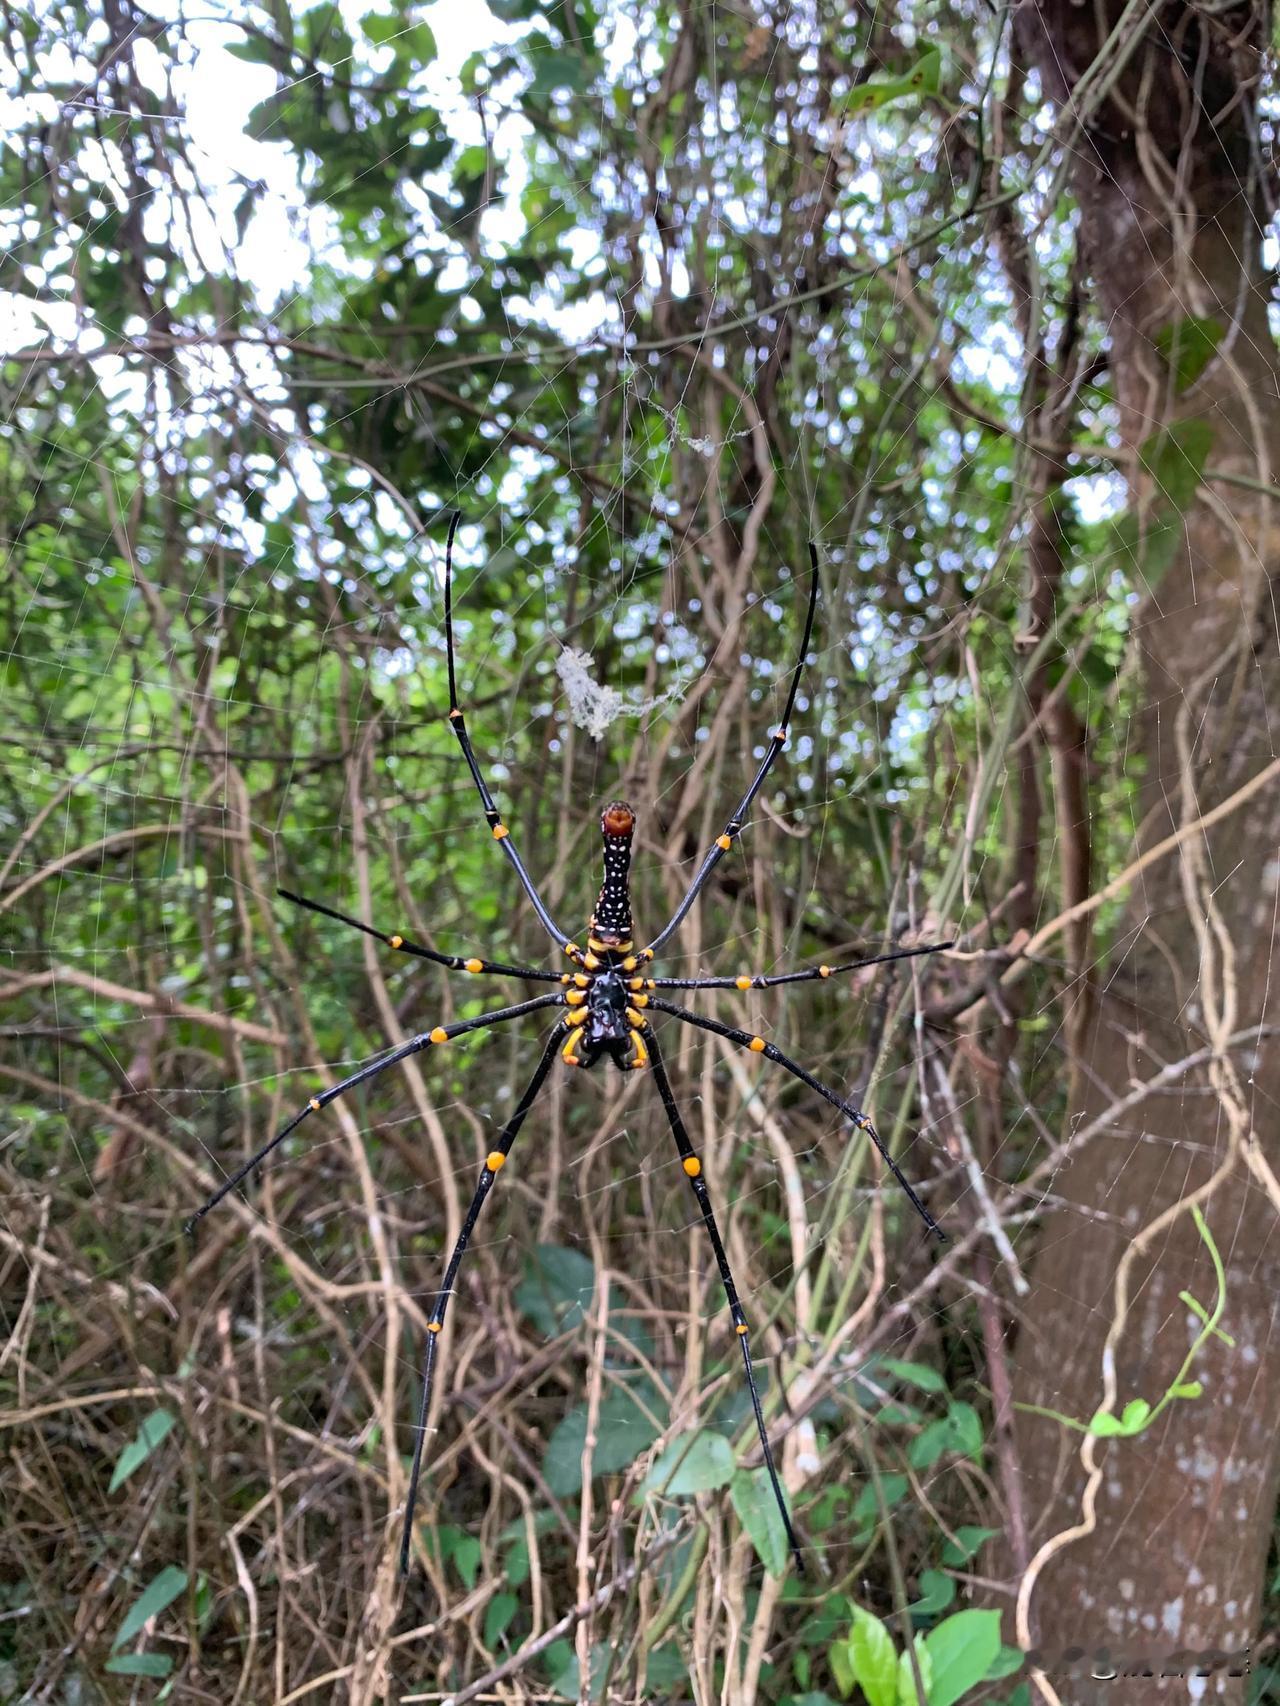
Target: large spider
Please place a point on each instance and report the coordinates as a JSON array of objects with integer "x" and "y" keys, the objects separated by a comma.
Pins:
[{"x": 604, "y": 1002}]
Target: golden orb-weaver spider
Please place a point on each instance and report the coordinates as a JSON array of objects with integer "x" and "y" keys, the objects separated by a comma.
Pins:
[{"x": 604, "y": 1003}]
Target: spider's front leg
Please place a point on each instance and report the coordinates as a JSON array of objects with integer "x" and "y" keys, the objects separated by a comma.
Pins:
[
  {"x": 427, "y": 1039},
  {"x": 458, "y": 723}
]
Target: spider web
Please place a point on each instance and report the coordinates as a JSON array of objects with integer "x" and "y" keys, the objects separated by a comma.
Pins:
[{"x": 252, "y": 694}]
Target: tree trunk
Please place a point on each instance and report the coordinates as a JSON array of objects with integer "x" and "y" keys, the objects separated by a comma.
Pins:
[{"x": 1174, "y": 1522}]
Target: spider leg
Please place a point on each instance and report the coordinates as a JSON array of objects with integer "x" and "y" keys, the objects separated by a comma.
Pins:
[
  {"x": 693, "y": 1170},
  {"x": 748, "y": 981},
  {"x": 451, "y": 962},
  {"x": 488, "y": 1173},
  {"x": 770, "y": 1051},
  {"x": 492, "y": 816},
  {"x": 777, "y": 740},
  {"x": 441, "y": 1034}
]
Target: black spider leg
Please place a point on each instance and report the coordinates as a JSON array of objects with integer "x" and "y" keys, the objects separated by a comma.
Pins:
[
  {"x": 761, "y": 982},
  {"x": 492, "y": 816},
  {"x": 441, "y": 1034},
  {"x": 770, "y": 1051},
  {"x": 451, "y": 962},
  {"x": 777, "y": 741},
  {"x": 493, "y": 1163},
  {"x": 693, "y": 1169}
]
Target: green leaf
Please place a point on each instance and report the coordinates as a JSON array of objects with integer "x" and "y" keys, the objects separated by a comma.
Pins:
[
  {"x": 873, "y": 1658},
  {"x": 866, "y": 1509},
  {"x": 961, "y": 1649},
  {"x": 757, "y": 1509},
  {"x": 841, "y": 1667},
  {"x": 139, "y": 1664},
  {"x": 922, "y": 79},
  {"x": 557, "y": 1288},
  {"x": 908, "y": 1693},
  {"x": 697, "y": 1464},
  {"x": 966, "y": 1428},
  {"x": 915, "y": 1374},
  {"x": 1104, "y": 1425},
  {"x": 467, "y": 1553},
  {"x": 160, "y": 1592},
  {"x": 664, "y": 1668},
  {"x": 897, "y": 1414},
  {"x": 1188, "y": 1389},
  {"x": 626, "y": 1429},
  {"x": 968, "y": 1541},
  {"x": 254, "y": 51},
  {"x": 929, "y": 1445},
  {"x": 936, "y": 1593},
  {"x": 1134, "y": 1416},
  {"x": 562, "y": 1465},
  {"x": 1007, "y": 1662},
  {"x": 1131, "y": 1421},
  {"x": 497, "y": 1618},
  {"x": 152, "y": 1431},
  {"x": 553, "y": 71},
  {"x": 1175, "y": 457},
  {"x": 1188, "y": 346}
]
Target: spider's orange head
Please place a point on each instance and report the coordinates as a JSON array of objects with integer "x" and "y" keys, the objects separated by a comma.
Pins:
[{"x": 617, "y": 818}]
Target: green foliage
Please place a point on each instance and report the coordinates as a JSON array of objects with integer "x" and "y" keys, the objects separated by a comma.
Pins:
[
  {"x": 922, "y": 79},
  {"x": 692, "y": 1463},
  {"x": 153, "y": 1430},
  {"x": 1188, "y": 345},
  {"x": 156, "y": 1597},
  {"x": 950, "y": 1660},
  {"x": 630, "y": 311},
  {"x": 1138, "y": 1414}
]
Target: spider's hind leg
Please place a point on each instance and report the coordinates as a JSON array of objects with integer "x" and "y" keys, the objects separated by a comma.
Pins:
[
  {"x": 693, "y": 1172},
  {"x": 494, "y": 1162}
]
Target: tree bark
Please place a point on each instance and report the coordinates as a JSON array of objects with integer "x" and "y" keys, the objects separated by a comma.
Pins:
[{"x": 1174, "y": 1522}]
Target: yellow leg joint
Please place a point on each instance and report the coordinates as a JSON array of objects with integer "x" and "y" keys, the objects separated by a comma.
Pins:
[
  {"x": 756, "y": 1045},
  {"x": 434, "y": 1326},
  {"x": 692, "y": 1166},
  {"x": 575, "y": 997},
  {"x": 499, "y": 830},
  {"x": 743, "y": 982},
  {"x": 723, "y": 843},
  {"x": 569, "y": 1053},
  {"x": 314, "y": 1104},
  {"x": 495, "y": 1160},
  {"x": 742, "y": 1329},
  {"x": 439, "y": 1035},
  {"x": 396, "y": 941},
  {"x": 824, "y": 971},
  {"x": 474, "y": 965},
  {"x": 578, "y": 1016}
]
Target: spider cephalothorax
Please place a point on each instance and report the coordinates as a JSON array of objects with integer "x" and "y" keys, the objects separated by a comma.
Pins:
[{"x": 602, "y": 1010}]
